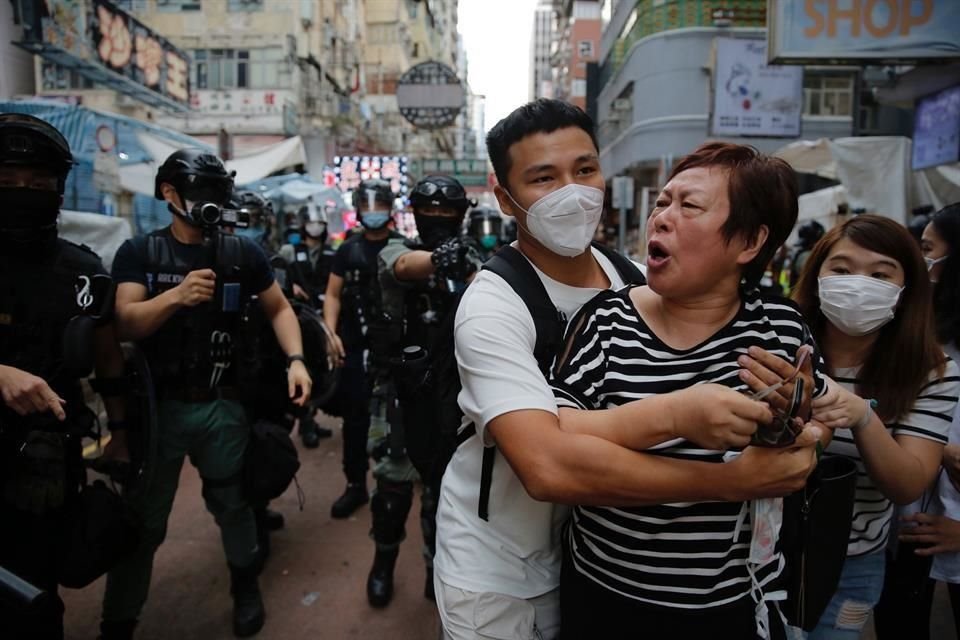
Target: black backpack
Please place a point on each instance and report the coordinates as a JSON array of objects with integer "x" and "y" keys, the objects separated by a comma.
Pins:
[{"x": 434, "y": 432}]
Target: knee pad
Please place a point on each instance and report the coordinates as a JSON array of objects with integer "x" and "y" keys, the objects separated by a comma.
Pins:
[{"x": 389, "y": 508}]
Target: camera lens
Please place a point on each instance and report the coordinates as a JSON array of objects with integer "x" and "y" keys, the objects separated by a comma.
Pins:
[{"x": 209, "y": 213}]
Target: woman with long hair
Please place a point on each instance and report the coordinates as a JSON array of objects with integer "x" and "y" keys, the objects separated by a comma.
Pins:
[
  {"x": 865, "y": 294},
  {"x": 933, "y": 535}
]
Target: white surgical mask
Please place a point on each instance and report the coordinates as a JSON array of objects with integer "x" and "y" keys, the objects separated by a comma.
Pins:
[
  {"x": 858, "y": 305},
  {"x": 565, "y": 220},
  {"x": 932, "y": 262}
]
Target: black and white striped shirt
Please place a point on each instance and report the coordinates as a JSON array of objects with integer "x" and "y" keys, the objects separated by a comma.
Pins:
[
  {"x": 671, "y": 555},
  {"x": 929, "y": 418}
]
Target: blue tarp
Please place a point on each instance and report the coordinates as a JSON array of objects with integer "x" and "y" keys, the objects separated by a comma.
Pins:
[{"x": 79, "y": 126}]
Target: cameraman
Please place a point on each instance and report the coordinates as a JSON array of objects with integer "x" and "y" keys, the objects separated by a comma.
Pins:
[{"x": 179, "y": 296}]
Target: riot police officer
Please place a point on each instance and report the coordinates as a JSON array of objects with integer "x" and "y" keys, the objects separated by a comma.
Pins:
[
  {"x": 485, "y": 226},
  {"x": 351, "y": 304},
  {"x": 419, "y": 282},
  {"x": 261, "y": 218},
  {"x": 179, "y": 296},
  {"x": 306, "y": 265},
  {"x": 54, "y": 296}
]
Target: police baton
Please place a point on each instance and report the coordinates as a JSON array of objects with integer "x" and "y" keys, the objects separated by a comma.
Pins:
[{"x": 18, "y": 592}]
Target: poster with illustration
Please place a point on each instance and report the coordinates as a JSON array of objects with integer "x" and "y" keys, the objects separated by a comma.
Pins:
[{"x": 751, "y": 97}]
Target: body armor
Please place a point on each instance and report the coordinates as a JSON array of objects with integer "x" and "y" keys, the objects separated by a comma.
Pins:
[
  {"x": 196, "y": 348},
  {"x": 40, "y": 465}
]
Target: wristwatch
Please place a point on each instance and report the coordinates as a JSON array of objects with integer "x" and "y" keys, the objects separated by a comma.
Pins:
[{"x": 295, "y": 357}]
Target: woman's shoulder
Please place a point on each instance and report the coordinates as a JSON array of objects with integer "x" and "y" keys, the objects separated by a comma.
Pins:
[{"x": 772, "y": 305}]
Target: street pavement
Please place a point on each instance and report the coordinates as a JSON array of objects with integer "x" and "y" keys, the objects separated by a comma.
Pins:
[{"x": 314, "y": 585}]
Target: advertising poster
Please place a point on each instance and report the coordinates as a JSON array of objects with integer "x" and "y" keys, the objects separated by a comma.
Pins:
[
  {"x": 751, "y": 97},
  {"x": 936, "y": 129}
]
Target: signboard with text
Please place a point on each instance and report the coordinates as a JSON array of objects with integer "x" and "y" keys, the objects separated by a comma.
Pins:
[
  {"x": 852, "y": 31},
  {"x": 348, "y": 171},
  {"x": 108, "y": 47},
  {"x": 128, "y": 47},
  {"x": 470, "y": 172},
  {"x": 751, "y": 97}
]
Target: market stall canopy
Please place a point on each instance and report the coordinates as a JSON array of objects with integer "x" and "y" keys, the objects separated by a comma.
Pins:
[
  {"x": 139, "y": 177},
  {"x": 101, "y": 233},
  {"x": 875, "y": 172}
]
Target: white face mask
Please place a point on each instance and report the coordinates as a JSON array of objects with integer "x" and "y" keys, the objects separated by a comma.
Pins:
[
  {"x": 932, "y": 262},
  {"x": 565, "y": 220},
  {"x": 858, "y": 305}
]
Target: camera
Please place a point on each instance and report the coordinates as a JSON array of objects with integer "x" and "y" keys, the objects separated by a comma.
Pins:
[{"x": 210, "y": 215}]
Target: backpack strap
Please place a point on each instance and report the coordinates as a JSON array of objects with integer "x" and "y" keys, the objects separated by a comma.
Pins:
[
  {"x": 626, "y": 267},
  {"x": 512, "y": 266},
  {"x": 548, "y": 322}
]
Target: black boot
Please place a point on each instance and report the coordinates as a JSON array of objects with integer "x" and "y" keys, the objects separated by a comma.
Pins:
[
  {"x": 248, "y": 613},
  {"x": 311, "y": 433},
  {"x": 428, "y": 586},
  {"x": 273, "y": 519},
  {"x": 117, "y": 629},
  {"x": 354, "y": 497},
  {"x": 380, "y": 580}
]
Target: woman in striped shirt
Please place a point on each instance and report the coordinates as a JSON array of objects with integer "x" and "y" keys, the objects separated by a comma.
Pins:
[
  {"x": 684, "y": 570},
  {"x": 865, "y": 293}
]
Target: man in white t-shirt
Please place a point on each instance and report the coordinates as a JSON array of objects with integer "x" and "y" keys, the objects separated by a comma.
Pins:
[{"x": 498, "y": 577}]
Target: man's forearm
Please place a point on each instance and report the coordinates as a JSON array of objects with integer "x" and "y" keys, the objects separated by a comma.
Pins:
[
  {"x": 331, "y": 312},
  {"x": 636, "y": 425},
  {"x": 109, "y": 364},
  {"x": 138, "y": 320},
  {"x": 586, "y": 470},
  {"x": 287, "y": 329},
  {"x": 415, "y": 265}
]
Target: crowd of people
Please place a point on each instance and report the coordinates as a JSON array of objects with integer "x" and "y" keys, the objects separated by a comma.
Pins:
[{"x": 603, "y": 449}]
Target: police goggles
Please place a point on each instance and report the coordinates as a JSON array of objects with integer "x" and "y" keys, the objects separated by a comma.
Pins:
[{"x": 449, "y": 191}]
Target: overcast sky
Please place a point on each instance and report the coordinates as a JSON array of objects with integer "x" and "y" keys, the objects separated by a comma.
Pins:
[{"x": 496, "y": 35}]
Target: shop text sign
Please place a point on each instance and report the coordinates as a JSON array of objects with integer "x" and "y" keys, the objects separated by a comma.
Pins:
[{"x": 855, "y": 30}]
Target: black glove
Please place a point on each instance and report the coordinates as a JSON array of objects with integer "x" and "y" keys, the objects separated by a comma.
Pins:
[{"x": 456, "y": 259}]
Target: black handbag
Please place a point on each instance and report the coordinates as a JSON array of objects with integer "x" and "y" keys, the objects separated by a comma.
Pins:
[
  {"x": 270, "y": 464},
  {"x": 815, "y": 534},
  {"x": 100, "y": 532}
]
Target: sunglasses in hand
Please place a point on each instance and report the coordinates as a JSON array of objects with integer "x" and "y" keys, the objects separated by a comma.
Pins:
[{"x": 785, "y": 428}]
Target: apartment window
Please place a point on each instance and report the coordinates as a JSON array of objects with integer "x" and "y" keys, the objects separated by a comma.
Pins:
[
  {"x": 827, "y": 95},
  {"x": 244, "y": 5},
  {"x": 175, "y": 6},
  {"x": 578, "y": 88},
  {"x": 240, "y": 69},
  {"x": 585, "y": 48}
]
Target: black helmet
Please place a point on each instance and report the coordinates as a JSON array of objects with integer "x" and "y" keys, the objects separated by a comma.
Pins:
[
  {"x": 381, "y": 190},
  {"x": 251, "y": 201},
  {"x": 26, "y": 140},
  {"x": 440, "y": 191},
  {"x": 196, "y": 175},
  {"x": 810, "y": 233},
  {"x": 485, "y": 225}
]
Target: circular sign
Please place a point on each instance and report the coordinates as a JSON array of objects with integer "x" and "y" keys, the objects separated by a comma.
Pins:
[
  {"x": 430, "y": 95},
  {"x": 106, "y": 138}
]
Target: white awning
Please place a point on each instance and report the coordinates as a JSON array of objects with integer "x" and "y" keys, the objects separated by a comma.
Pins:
[
  {"x": 139, "y": 178},
  {"x": 103, "y": 234}
]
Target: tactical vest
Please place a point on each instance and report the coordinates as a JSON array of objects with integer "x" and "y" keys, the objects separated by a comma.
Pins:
[
  {"x": 37, "y": 300},
  {"x": 361, "y": 302},
  {"x": 197, "y": 347}
]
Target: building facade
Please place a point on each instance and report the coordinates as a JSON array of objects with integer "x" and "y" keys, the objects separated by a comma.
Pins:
[
  {"x": 575, "y": 45},
  {"x": 541, "y": 71},
  {"x": 657, "y": 83}
]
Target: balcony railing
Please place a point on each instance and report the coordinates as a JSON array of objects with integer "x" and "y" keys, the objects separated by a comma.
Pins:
[{"x": 650, "y": 17}]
